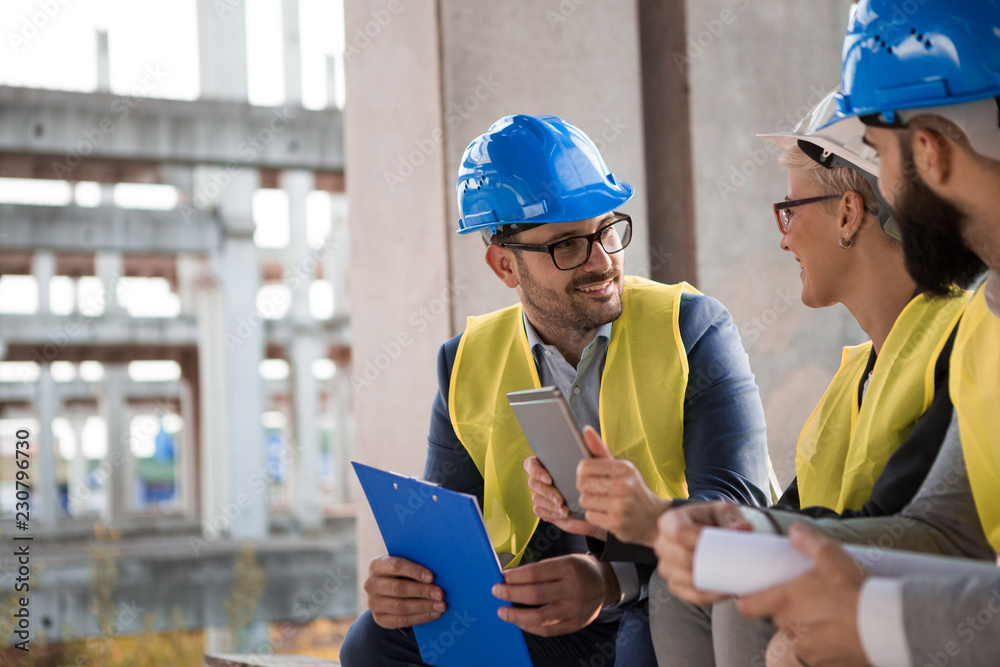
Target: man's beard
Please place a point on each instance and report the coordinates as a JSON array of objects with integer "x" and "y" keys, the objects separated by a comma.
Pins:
[
  {"x": 937, "y": 257},
  {"x": 564, "y": 310}
]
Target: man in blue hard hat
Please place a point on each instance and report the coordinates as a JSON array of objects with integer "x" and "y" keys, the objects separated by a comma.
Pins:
[
  {"x": 926, "y": 82},
  {"x": 658, "y": 370}
]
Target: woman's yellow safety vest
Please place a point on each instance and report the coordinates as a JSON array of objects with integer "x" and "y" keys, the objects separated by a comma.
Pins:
[
  {"x": 641, "y": 404},
  {"x": 842, "y": 449},
  {"x": 975, "y": 392}
]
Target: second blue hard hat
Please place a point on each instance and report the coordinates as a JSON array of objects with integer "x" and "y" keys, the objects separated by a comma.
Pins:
[
  {"x": 919, "y": 54},
  {"x": 534, "y": 170}
]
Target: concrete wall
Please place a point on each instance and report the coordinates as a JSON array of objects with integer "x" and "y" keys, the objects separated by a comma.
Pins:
[{"x": 758, "y": 66}]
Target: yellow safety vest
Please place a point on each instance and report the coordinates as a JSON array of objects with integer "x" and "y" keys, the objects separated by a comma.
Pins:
[
  {"x": 641, "y": 404},
  {"x": 842, "y": 449},
  {"x": 975, "y": 392}
]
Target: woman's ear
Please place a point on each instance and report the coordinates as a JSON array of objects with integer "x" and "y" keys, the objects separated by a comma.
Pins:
[
  {"x": 852, "y": 214},
  {"x": 499, "y": 260}
]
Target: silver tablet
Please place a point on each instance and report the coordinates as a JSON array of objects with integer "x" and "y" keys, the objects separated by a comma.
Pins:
[{"x": 554, "y": 438}]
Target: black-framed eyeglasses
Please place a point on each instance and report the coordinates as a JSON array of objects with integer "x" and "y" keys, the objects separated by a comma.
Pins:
[
  {"x": 783, "y": 209},
  {"x": 574, "y": 251}
]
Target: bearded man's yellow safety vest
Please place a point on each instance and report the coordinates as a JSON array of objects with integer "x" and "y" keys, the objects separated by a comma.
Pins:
[
  {"x": 641, "y": 404},
  {"x": 843, "y": 449},
  {"x": 975, "y": 392}
]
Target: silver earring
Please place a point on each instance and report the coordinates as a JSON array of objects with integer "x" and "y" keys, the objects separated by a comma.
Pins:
[{"x": 845, "y": 246}]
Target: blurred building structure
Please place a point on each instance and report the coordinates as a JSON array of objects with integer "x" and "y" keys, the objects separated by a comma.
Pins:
[{"x": 258, "y": 455}]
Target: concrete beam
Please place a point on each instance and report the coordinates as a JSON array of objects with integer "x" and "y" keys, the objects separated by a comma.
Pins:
[
  {"x": 80, "y": 390},
  {"x": 49, "y": 338},
  {"x": 77, "y": 228},
  {"x": 53, "y": 333},
  {"x": 73, "y": 126}
]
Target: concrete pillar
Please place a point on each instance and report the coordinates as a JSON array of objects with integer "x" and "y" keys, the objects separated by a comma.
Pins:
[
  {"x": 45, "y": 497},
  {"x": 111, "y": 404},
  {"x": 342, "y": 436},
  {"x": 222, "y": 50},
  {"x": 292, "y": 51},
  {"x": 185, "y": 451},
  {"x": 44, "y": 268},
  {"x": 188, "y": 270},
  {"x": 212, "y": 384},
  {"x": 108, "y": 265},
  {"x": 304, "y": 349},
  {"x": 297, "y": 183},
  {"x": 331, "y": 81},
  {"x": 103, "y": 62},
  {"x": 458, "y": 72},
  {"x": 107, "y": 194},
  {"x": 336, "y": 264},
  {"x": 667, "y": 130},
  {"x": 74, "y": 296},
  {"x": 78, "y": 491},
  {"x": 243, "y": 333}
]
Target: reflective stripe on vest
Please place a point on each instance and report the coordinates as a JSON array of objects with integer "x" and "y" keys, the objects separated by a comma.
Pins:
[
  {"x": 975, "y": 392},
  {"x": 641, "y": 403},
  {"x": 843, "y": 449}
]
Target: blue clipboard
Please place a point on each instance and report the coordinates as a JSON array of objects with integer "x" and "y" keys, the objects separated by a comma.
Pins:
[{"x": 443, "y": 530}]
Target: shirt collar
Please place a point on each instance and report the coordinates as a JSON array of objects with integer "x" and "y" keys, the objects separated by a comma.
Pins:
[{"x": 535, "y": 342}]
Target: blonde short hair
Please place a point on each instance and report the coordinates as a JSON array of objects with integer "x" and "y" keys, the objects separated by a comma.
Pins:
[{"x": 838, "y": 180}]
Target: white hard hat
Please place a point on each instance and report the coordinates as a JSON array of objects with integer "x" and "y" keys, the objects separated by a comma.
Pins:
[{"x": 837, "y": 145}]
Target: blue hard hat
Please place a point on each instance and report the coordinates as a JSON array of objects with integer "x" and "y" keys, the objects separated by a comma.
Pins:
[
  {"x": 918, "y": 54},
  {"x": 534, "y": 170}
]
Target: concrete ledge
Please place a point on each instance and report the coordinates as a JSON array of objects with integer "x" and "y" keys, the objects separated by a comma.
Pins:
[
  {"x": 72, "y": 126},
  {"x": 84, "y": 229}
]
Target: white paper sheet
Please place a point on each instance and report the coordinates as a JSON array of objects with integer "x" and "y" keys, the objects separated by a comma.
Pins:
[{"x": 739, "y": 563}]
